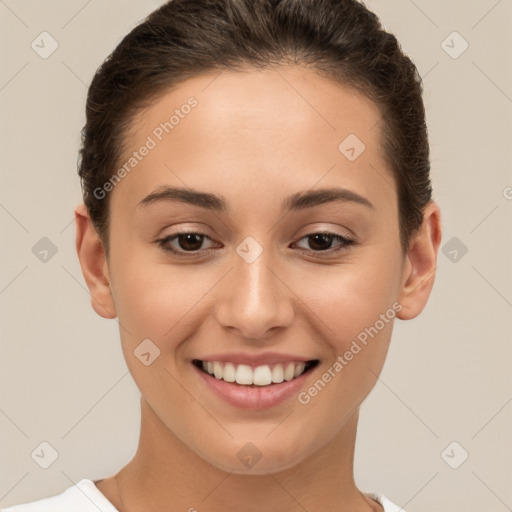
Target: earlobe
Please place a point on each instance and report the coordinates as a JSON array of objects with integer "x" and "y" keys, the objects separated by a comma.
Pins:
[
  {"x": 421, "y": 263},
  {"x": 91, "y": 255}
]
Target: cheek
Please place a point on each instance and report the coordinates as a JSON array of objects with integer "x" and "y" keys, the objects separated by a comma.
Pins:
[
  {"x": 355, "y": 310},
  {"x": 349, "y": 298},
  {"x": 160, "y": 301},
  {"x": 355, "y": 306}
]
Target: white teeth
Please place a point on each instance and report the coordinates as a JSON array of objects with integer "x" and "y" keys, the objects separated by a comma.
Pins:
[
  {"x": 289, "y": 372},
  {"x": 278, "y": 373},
  {"x": 243, "y": 374},
  {"x": 260, "y": 376},
  {"x": 217, "y": 370},
  {"x": 299, "y": 369},
  {"x": 229, "y": 372}
]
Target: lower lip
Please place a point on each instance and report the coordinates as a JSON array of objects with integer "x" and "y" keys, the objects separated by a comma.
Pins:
[{"x": 248, "y": 397}]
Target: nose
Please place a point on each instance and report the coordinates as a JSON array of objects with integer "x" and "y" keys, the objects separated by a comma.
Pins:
[{"x": 254, "y": 299}]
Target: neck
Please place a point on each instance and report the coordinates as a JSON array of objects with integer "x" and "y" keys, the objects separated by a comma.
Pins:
[{"x": 165, "y": 474}]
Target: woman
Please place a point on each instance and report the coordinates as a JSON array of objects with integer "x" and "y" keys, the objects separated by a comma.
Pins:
[{"x": 257, "y": 212}]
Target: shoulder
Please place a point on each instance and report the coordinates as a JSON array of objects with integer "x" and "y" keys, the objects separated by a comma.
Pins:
[{"x": 81, "y": 497}]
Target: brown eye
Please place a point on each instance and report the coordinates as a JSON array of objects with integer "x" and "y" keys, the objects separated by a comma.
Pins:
[
  {"x": 184, "y": 243},
  {"x": 322, "y": 242},
  {"x": 189, "y": 241}
]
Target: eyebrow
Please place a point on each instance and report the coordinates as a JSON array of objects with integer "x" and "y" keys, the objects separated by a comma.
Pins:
[{"x": 295, "y": 202}]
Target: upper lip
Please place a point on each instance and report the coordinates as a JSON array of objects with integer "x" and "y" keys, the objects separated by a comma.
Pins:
[{"x": 256, "y": 359}]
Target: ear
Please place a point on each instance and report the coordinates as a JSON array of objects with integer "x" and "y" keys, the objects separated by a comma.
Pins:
[
  {"x": 420, "y": 264},
  {"x": 91, "y": 255}
]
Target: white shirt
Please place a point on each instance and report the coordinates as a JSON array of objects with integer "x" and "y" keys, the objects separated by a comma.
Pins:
[{"x": 86, "y": 497}]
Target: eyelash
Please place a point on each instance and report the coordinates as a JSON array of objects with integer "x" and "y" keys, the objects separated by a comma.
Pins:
[{"x": 163, "y": 243}]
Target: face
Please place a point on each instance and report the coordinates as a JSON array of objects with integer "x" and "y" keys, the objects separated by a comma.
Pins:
[{"x": 282, "y": 247}]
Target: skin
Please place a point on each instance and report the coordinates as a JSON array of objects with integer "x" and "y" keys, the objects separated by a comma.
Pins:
[{"x": 254, "y": 138}]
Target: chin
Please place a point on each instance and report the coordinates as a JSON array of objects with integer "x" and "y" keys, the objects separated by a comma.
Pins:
[{"x": 256, "y": 458}]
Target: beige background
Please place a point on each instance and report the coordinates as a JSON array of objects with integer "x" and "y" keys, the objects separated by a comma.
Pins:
[{"x": 447, "y": 378}]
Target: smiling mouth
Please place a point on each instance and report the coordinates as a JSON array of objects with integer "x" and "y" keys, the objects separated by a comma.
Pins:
[{"x": 263, "y": 375}]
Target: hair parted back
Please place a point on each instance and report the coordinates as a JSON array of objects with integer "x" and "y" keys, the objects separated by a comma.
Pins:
[{"x": 339, "y": 39}]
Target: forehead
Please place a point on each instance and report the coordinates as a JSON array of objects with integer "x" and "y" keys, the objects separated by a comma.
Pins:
[{"x": 258, "y": 129}]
